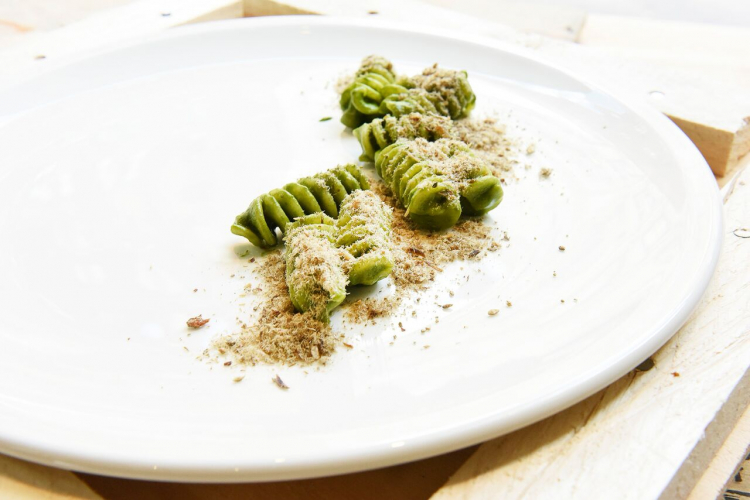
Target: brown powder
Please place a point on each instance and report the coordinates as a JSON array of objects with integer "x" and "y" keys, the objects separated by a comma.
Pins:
[
  {"x": 415, "y": 125},
  {"x": 419, "y": 255},
  {"x": 279, "y": 335},
  {"x": 444, "y": 82},
  {"x": 489, "y": 141},
  {"x": 369, "y": 309}
]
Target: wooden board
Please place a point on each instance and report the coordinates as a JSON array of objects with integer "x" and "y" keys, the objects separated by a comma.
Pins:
[
  {"x": 20, "y": 480},
  {"x": 702, "y": 73},
  {"x": 20, "y": 20},
  {"x": 547, "y": 19},
  {"x": 650, "y": 434},
  {"x": 417, "y": 480},
  {"x": 722, "y": 471}
]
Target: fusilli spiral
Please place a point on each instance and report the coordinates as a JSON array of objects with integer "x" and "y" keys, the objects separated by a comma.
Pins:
[
  {"x": 315, "y": 272},
  {"x": 320, "y": 193},
  {"x": 382, "y": 132}
]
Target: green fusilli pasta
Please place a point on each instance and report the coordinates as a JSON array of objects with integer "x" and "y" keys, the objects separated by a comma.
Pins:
[
  {"x": 324, "y": 255},
  {"x": 374, "y": 81},
  {"x": 315, "y": 272},
  {"x": 382, "y": 132},
  {"x": 376, "y": 91},
  {"x": 364, "y": 231},
  {"x": 322, "y": 192},
  {"x": 457, "y": 98},
  {"x": 438, "y": 181}
]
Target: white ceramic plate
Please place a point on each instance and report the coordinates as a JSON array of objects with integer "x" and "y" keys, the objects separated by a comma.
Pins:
[{"x": 120, "y": 174}]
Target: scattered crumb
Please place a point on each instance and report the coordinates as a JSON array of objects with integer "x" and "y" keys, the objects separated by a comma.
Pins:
[
  {"x": 447, "y": 306},
  {"x": 561, "y": 248},
  {"x": 348, "y": 346},
  {"x": 239, "y": 378},
  {"x": 279, "y": 383},
  {"x": 508, "y": 303},
  {"x": 530, "y": 149},
  {"x": 646, "y": 365},
  {"x": 492, "y": 312},
  {"x": 675, "y": 374},
  {"x": 545, "y": 172},
  {"x": 325, "y": 119},
  {"x": 228, "y": 363},
  {"x": 197, "y": 322}
]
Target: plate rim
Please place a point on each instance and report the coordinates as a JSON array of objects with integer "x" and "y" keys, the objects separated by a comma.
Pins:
[{"x": 435, "y": 442}]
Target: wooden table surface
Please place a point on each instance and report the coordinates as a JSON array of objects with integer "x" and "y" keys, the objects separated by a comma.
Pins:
[{"x": 651, "y": 434}]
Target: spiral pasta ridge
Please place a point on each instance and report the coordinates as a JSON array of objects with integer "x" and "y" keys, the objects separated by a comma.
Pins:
[
  {"x": 315, "y": 273},
  {"x": 382, "y": 132},
  {"x": 456, "y": 96},
  {"x": 324, "y": 255},
  {"x": 364, "y": 232},
  {"x": 322, "y": 192}
]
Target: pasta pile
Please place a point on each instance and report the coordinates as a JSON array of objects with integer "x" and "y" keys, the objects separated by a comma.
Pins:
[
  {"x": 395, "y": 117},
  {"x": 337, "y": 232}
]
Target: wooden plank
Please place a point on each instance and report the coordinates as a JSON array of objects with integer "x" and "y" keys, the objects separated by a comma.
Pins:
[
  {"x": 722, "y": 469},
  {"x": 405, "y": 482},
  {"x": 648, "y": 435},
  {"x": 18, "y": 19},
  {"x": 552, "y": 20},
  {"x": 722, "y": 48},
  {"x": 21, "y": 480},
  {"x": 690, "y": 60},
  {"x": 739, "y": 484}
]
